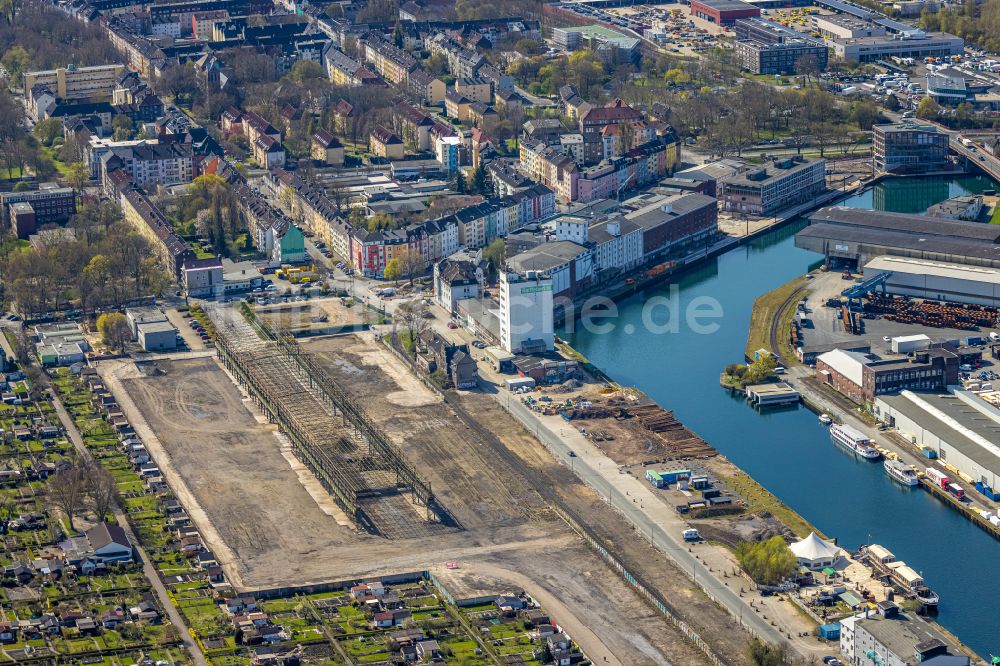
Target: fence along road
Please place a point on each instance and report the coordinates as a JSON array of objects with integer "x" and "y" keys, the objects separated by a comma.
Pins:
[{"x": 646, "y": 516}]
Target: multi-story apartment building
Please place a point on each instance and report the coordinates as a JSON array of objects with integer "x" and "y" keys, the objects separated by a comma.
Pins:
[
  {"x": 74, "y": 82},
  {"x": 143, "y": 216},
  {"x": 149, "y": 164},
  {"x": 596, "y": 118},
  {"x": 636, "y": 168},
  {"x": 392, "y": 63},
  {"x": 907, "y": 148},
  {"x": 776, "y": 185},
  {"x": 552, "y": 168},
  {"x": 346, "y": 71}
]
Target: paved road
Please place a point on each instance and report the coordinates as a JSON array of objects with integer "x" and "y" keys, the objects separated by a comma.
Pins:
[
  {"x": 148, "y": 567},
  {"x": 634, "y": 500}
]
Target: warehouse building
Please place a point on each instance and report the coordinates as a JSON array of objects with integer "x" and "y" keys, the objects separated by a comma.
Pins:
[
  {"x": 938, "y": 280},
  {"x": 863, "y": 377},
  {"x": 961, "y": 428},
  {"x": 157, "y": 336},
  {"x": 909, "y": 148},
  {"x": 858, "y": 236},
  {"x": 723, "y": 12},
  {"x": 611, "y": 46},
  {"x": 526, "y": 312},
  {"x": 845, "y": 26}
]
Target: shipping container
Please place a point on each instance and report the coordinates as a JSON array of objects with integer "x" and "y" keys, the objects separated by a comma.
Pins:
[
  {"x": 956, "y": 490},
  {"x": 938, "y": 478}
]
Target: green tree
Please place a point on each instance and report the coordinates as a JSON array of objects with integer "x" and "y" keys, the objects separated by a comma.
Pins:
[
  {"x": 114, "y": 328},
  {"x": 760, "y": 653},
  {"x": 17, "y": 60},
  {"x": 77, "y": 176},
  {"x": 304, "y": 70},
  {"x": 767, "y": 562},
  {"x": 48, "y": 130},
  {"x": 479, "y": 184},
  {"x": 928, "y": 109},
  {"x": 122, "y": 126},
  {"x": 496, "y": 253},
  {"x": 393, "y": 270}
]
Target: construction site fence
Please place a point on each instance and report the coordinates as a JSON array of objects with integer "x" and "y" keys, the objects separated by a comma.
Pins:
[{"x": 644, "y": 591}]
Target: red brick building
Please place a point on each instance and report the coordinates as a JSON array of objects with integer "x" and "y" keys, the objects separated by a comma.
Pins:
[{"x": 723, "y": 12}]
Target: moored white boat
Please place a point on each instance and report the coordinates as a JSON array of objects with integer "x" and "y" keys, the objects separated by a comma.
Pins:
[
  {"x": 901, "y": 472},
  {"x": 825, "y": 419},
  {"x": 854, "y": 441}
]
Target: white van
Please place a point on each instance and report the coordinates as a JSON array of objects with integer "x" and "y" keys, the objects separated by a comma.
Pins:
[{"x": 994, "y": 336}]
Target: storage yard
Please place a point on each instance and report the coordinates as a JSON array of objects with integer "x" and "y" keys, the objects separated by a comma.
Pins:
[
  {"x": 319, "y": 315},
  {"x": 625, "y": 424},
  {"x": 243, "y": 475}
]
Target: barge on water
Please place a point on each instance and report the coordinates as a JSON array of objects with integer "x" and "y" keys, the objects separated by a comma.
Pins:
[{"x": 900, "y": 576}]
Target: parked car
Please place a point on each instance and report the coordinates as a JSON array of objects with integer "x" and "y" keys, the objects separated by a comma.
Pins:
[{"x": 452, "y": 325}]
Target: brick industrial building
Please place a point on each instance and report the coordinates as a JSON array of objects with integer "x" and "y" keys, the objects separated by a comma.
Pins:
[
  {"x": 861, "y": 377},
  {"x": 723, "y": 12}
]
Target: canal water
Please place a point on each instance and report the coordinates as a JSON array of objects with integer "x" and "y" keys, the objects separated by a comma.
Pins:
[{"x": 789, "y": 452}]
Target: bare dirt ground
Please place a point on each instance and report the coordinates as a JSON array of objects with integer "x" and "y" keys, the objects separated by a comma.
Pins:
[
  {"x": 317, "y": 314},
  {"x": 656, "y": 570},
  {"x": 257, "y": 513}
]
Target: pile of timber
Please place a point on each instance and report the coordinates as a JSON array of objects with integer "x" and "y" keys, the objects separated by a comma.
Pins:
[{"x": 678, "y": 441}]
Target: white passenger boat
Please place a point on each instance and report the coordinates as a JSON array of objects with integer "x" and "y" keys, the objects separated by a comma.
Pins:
[
  {"x": 901, "y": 472},
  {"x": 854, "y": 441},
  {"x": 825, "y": 419}
]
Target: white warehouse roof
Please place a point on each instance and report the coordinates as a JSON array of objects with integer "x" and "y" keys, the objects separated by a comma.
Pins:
[
  {"x": 849, "y": 364},
  {"x": 934, "y": 268}
]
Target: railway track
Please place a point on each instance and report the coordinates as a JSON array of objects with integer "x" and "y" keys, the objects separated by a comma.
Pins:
[{"x": 774, "y": 334}]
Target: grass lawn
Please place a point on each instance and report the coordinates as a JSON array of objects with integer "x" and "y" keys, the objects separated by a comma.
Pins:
[
  {"x": 765, "y": 309},
  {"x": 995, "y": 218},
  {"x": 761, "y": 500}
]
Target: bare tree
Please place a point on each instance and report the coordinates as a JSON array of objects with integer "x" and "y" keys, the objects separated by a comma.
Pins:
[
  {"x": 411, "y": 316},
  {"x": 68, "y": 490},
  {"x": 102, "y": 488}
]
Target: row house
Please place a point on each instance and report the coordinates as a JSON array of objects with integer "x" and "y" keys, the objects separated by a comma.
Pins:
[
  {"x": 267, "y": 152},
  {"x": 433, "y": 240},
  {"x": 392, "y": 63},
  {"x": 429, "y": 89},
  {"x": 462, "y": 62},
  {"x": 313, "y": 210},
  {"x": 616, "y": 140},
  {"x": 413, "y": 126},
  {"x": 343, "y": 70},
  {"x": 639, "y": 167},
  {"x": 552, "y": 168},
  {"x": 481, "y": 224},
  {"x": 143, "y": 216},
  {"x": 457, "y": 106}
]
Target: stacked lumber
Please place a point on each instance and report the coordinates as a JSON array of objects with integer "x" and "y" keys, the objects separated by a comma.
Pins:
[{"x": 677, "y": 441}]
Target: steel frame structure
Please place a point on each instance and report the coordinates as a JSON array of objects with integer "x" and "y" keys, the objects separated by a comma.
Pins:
[{"x": 351, "y": 456}]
